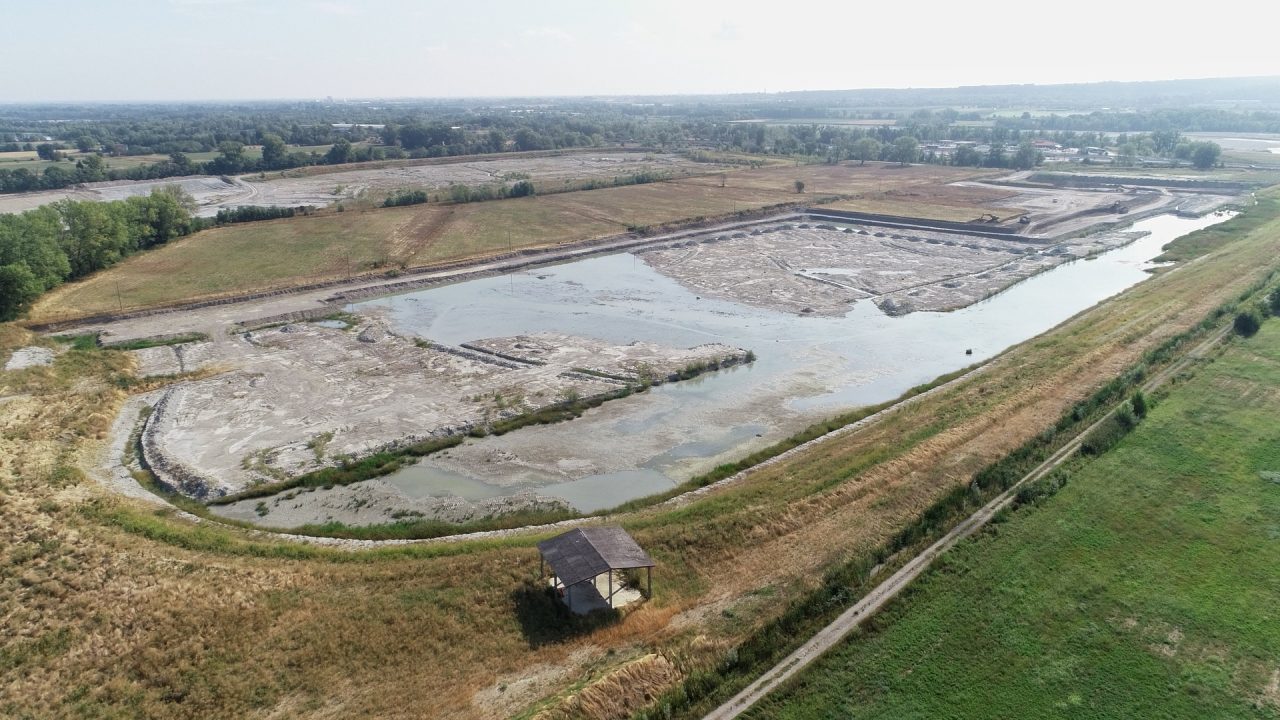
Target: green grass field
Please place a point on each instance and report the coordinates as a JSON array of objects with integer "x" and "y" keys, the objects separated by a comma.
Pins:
[
  {"x": 236, "y": 258},
  {"x": 1147, "y": 587}
]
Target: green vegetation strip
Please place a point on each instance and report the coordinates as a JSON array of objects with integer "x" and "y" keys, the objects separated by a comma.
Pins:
[
  {"x": 144, "y": 343},
  {"x": 1144, "y": 587},
  {"x": 705, "y": 689},
  {"x": 1203, "y": 241}
]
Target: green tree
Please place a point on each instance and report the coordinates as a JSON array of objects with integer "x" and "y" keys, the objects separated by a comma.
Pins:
[
  {"x": 996, "y": 157},
  {"x": 231, "y": 159},
  {"x": 19, "y": 287},
  {"x": 1273, "y": 302},
  {"x": 48, "y": 151},
  {"x": 181, "y": 163},
  {"x": 866, "y": 148},
  {"x": 94, "y": 235},
  {"x": 799, "y": 185},
  {"x": 905, "y": 149},
  {"x": 1247, "y": 323},
  {"x": 339, "y": 153},
  {"x": 1027, "y": 157},
  {"x": 1204, "y": 155},
  {"x": 91, "y": 168},
  {"x": 497, "y": 141},
  {"x": 1165, "y": 141},
  {"x": 966, "y": 155},
  {"x": 527, "y": 139},
  {"x": 31, "y": 239},
  {"x": 524, "y": 188},
  {"x": 274, "y": 153},
  {"x": 85, "y": 144}
]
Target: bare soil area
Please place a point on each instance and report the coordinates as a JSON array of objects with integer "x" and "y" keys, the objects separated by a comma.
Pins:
[
  {"x": 822, "y": 268},
  {"x": 27, "y": 357},
  {"x": 302, "y": 397},
  {"x": 210, "y": 193}
]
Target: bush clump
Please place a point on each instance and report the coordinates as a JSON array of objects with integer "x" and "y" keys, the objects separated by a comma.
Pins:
[{"x": 1247, "y": 323}]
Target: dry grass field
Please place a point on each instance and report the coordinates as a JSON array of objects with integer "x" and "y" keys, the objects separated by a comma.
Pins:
[
  {"x": 249, "y": 257},
  {"x": 117, "y": 610}
]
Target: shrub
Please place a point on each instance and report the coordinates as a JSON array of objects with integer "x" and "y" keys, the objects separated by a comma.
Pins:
[
  {"x": 1139, "y": 402},
  {"x": 1247, "y": 323},
  {"x": 406, "y": 197},
  {"x": 1111, "y": 431}
]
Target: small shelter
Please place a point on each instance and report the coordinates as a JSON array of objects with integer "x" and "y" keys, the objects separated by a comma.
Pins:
[{"x": 581, "y": 556}]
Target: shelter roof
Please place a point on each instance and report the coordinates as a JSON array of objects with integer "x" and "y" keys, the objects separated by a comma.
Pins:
[{"x": 584, "y": 553}]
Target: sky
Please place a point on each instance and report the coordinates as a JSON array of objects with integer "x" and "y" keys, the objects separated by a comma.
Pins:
[{"x": 130, "y": 50}]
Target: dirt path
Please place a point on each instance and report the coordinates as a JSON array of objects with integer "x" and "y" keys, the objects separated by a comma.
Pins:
[
  {"x": 829, "y": 636},
  {"x": 420, "y": 232}
]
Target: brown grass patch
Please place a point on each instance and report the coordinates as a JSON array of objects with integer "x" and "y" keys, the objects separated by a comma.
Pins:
[{"x": 108, "y": 622}]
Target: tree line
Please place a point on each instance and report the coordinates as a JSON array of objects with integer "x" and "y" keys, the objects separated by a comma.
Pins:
[
  {"x": 442, "y": 129},
  {"x": 69, "y": 239}
]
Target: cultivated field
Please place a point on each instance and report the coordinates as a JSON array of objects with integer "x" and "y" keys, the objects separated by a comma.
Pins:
[
  {"x": 120, "y": 610},
  {"x": 1145, "y": 587}
]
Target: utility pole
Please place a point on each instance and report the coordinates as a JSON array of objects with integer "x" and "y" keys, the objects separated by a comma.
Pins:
[{"x": 119, "y": 299}]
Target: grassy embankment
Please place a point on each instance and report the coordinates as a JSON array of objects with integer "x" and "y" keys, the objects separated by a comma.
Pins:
[
  {"x": 249, "y": 257},
  {"x": 1145, "y": 587},
  {"x": 121, "y": 610}
]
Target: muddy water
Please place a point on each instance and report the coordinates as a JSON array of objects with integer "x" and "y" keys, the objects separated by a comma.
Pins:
[{"x": 807, "y": 367}]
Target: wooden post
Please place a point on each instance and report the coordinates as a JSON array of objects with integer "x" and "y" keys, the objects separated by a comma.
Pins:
[
  {"x": 649, "y": 577},
  {"x": 611, "y": 588}
]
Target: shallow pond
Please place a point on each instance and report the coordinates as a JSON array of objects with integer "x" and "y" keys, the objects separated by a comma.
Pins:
[{"x": 807, "y": 367}]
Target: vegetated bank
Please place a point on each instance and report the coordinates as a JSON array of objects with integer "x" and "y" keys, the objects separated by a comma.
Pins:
[
  {"x": 327, "y": 627},
  {"x": 857, "y": 575},
  {"x": 1137, "y": 581}
]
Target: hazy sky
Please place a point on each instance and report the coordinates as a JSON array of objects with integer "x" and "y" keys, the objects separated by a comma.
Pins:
[{"x": 248, "y": 49}]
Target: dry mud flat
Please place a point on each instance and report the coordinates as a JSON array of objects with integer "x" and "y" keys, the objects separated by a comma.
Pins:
[
  {"x": 303, "y": 397},
  {"x": 27, "y": 357},
  {"x": 210, "y": 193},
  {"x": 821, "y": 268}
]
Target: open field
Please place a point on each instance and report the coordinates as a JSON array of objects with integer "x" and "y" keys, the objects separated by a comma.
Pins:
[
  {"x": 236, "y": 258},
  {"x": 321, "y": 185},
  {"x": 1262, "y": 176},
  {"x": 324, "y": 185},
  {"x": 123, "y": 611},
  {"x": 1144, "y": 587},
  {"x": 31, "y": 161},
  {"x": 255, "y": 256}
]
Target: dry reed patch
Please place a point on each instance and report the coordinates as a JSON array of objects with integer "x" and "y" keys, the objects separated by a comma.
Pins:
[{"x": 619, "y": 694}]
